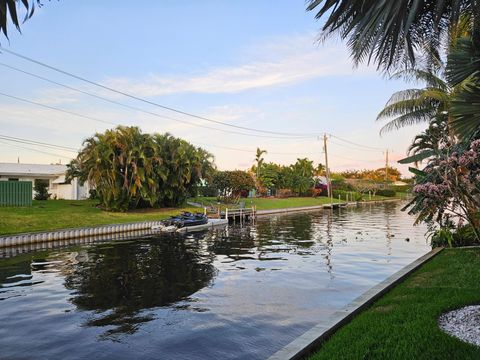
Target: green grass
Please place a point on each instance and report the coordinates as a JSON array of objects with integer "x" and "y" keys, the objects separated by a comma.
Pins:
[
  {"x": 403, "y": 323},
  {"x": 59, "y": 214},
  {"x": 272, "y": 203}
]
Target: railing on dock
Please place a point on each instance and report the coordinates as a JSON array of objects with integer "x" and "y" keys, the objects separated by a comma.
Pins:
[{"x": 240, "y": 214}]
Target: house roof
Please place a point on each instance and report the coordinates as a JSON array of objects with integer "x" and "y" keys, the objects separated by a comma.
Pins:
[{"x": 14, "y": 169}]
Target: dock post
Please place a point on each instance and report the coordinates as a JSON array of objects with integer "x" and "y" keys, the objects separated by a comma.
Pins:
[{"x": 226, "y": 213}]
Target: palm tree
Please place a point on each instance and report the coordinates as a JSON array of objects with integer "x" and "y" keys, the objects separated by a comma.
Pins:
[
  {"x": 402, "y": 32},
  {"x": 259, "y": 160},
  {"x": 430, "y": 142},
  {"x": 130, "y": 169},
  {"x": 413, "y": 106},
  {"x": 8, "y": 9},
  {"x": 392, "y": 33}
]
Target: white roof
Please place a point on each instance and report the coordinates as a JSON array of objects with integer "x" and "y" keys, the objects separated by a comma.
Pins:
[{"x": 31, "y": 169}]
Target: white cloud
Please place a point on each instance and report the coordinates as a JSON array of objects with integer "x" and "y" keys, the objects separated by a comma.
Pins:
[{"x": 278, "y": 62}]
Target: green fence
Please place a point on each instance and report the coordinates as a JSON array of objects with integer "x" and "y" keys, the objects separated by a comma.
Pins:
[{"x": 15, "y": 193}]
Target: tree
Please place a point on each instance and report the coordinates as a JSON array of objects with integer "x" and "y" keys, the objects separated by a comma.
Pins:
[
  {"x": 231, "y": 184},
  {"x": 259, "y": 161},
  {"x": 448, "y": 188},
  {"x": 413, "y": 106},
  {"x": 407, "y": 32},
  {"x": 41, "y": 190},
  {"x": 130, "y": 169},
  {"x": 10, "y": 9},
  {"x": 393, "y": 33},
  {"x": 301, "y": 176}
]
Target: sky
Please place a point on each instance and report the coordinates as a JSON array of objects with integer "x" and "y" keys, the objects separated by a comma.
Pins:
[{"x": 254, "y": 64}]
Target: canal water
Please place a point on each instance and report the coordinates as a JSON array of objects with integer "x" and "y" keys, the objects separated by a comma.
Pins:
[{"x": 240, "y": 293}]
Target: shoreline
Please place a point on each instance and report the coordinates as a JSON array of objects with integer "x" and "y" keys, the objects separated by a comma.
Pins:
[{"x": 103, "y": 231}]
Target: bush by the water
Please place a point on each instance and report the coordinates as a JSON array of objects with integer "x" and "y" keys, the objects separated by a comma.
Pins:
[
  {"x": 386, "y": 192},
  {"x": 450, "y": 237}
]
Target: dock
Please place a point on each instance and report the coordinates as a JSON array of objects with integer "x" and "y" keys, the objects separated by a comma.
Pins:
[{"x": 238, "y": 214}]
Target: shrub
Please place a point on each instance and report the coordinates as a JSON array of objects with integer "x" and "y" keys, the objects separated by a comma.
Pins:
[
  {"x": 462, "y": 236},
  {"x": 352, "y": 195},
  {"x": 341, "y": 184},
  {"x": 41, "y": 190},
  {"x": 284, "y": 193},
  {"x": 386, "y": 192},
  {"x": 402, "y": 188},
  {"x": 92, "y": 194},
  {"x": 207, "y": 191}
]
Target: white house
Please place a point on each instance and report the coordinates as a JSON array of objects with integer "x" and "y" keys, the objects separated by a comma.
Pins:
[{"x": 54, "y": 174}]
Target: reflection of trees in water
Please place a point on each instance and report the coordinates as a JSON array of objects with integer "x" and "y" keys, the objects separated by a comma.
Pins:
[
  {"x": 286, "y": 228},
  {"x": 236, "y": 244},
  {"x": 121, "y": 280}
]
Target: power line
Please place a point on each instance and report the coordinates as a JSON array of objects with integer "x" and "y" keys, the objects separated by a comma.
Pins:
[
  {"x": 356, "y": 144},
  {"x": 353, "y": 148},
  {"x": 37, "y": 143},
  {"x": 35, "y": 150},
  {"x": 253, "y": 151},
  {"x": 56, "y": 109},
  {"x": 142, "y": 110},
  {"x": 151, "y": 102}
]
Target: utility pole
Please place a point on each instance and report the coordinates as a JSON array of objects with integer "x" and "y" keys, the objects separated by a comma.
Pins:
[
  {"x": 386, "y": 166},
  {"x": 327, "y": 170}
]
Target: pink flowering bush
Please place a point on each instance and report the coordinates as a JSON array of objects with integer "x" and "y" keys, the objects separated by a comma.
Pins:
[{"x": 448, "y": 189}]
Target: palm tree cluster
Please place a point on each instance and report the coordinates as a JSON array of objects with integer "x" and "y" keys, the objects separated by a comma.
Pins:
[{"x": 130, "y": 169}]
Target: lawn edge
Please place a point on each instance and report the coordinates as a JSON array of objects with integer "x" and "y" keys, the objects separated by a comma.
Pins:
[{"x": 312, "y": 339}]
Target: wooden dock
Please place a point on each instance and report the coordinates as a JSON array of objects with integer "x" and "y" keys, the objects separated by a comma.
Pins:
[{"x": 238, "y": 214}]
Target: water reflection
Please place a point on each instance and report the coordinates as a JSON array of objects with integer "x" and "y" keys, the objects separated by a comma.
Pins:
[
  {"x": 120, "y": 282},
  {"x": 250, "y": 288}
]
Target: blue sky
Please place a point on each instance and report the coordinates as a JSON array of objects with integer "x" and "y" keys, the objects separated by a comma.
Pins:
[{"x": 249, "y": 63}]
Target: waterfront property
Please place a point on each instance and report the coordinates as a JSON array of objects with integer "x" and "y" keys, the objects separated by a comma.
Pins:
[
  {"x": 53, "y": 175},
  {"x": 244, "y": 292}
]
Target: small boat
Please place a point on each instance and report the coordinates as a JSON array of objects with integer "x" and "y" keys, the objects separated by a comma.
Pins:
[{"x": 180, "y": 221}]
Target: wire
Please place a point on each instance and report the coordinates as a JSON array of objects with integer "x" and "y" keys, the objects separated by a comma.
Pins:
[
  {"x": 347, "y": 158},
  {"x": 151, "y": 102},
  {"x": 356, "y": 144},
  {"x": 35, "y": 150},
  {"x": 352, "y": 148},
  {"x": 142, "y": 110},
  {"x": 56, "y": 109},
  {"x": 253, "y": 151},
  {"x": 37, "y": 143}
]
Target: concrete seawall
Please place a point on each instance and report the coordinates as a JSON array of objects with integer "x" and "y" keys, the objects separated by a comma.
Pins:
[
  {"x": 103, "y": 232},
  {"x": 100, "y": 232}
]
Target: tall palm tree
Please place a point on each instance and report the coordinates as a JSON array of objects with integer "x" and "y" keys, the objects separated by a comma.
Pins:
[{"x": 259, "y": 160}]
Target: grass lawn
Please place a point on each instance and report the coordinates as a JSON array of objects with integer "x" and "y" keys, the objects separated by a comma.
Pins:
[
  {"x": 59, "y": 214},
  {"x": 272, "y": 203},
  {"x": 403, "y": 323}
]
